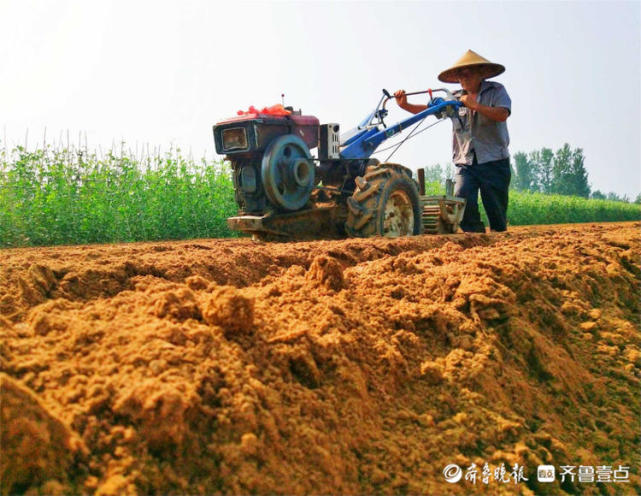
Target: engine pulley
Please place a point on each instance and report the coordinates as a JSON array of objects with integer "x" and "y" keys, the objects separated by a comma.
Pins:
[{"x": 288, "y": 172}]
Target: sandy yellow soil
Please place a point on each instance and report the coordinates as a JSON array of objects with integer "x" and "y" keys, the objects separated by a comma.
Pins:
[{"x": 351, "y": 367}]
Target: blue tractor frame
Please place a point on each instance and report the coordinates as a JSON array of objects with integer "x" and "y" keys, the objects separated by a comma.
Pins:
[{"x": 362, "y": 142}]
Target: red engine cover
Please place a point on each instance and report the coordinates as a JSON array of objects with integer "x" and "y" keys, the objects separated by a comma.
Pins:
[
  {"x": 306, "y": 127},
  {"x": 303, "y": 126}
]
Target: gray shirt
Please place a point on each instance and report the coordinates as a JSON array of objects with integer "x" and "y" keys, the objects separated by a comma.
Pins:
[{"x": 488, "y": 138}]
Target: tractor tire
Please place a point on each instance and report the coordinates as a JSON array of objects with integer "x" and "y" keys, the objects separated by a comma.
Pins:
[{"x": 385, "y": 203}]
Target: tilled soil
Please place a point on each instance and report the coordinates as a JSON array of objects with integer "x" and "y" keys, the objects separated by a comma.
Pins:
[{"x": 343, "y": 367}]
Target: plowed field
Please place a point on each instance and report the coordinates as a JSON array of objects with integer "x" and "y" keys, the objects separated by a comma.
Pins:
[{"x": 351, "y": 367}]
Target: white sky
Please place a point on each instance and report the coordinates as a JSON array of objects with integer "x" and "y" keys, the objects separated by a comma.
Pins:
[{"x": 162, "y": 72}]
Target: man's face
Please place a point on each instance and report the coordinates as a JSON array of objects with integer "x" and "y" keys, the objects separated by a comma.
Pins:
[{"x": 470, "y": 79}]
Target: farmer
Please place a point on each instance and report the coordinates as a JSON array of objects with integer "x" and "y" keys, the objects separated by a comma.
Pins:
[{"x": 480, "y": 144}]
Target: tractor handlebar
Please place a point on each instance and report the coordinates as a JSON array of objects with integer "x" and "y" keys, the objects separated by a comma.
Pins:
[
  {"x": 380, "y": 112},
  {"x": 447, "y": 92}
]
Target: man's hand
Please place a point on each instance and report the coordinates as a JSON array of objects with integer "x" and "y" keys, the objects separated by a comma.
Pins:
[
  {"x": 401, "y": 98},
  {"x": 469, "y": 101},
  {"x": 499, "y": 114}
]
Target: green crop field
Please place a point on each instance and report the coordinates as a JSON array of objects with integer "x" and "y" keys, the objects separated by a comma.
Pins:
[
  {"x": 537, "y": 208},
  {"x": 69, "y": 196}
]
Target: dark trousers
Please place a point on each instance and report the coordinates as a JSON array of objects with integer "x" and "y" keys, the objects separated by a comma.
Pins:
[{"x": 493, "y": 179}]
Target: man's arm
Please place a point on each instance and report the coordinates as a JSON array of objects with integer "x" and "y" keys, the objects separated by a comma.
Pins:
[
  {"x": 499, "y": 114},
  {"x": 401, "y": 100}
]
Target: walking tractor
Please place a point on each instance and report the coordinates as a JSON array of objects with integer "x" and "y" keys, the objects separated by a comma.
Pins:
[{"x": 283, "y": 192}]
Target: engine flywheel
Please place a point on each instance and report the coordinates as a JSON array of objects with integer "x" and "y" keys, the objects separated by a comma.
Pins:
[{"x": 288, "y": 172}]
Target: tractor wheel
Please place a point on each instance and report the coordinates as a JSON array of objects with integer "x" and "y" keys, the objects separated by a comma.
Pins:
[{"x": 385, "y": 203}]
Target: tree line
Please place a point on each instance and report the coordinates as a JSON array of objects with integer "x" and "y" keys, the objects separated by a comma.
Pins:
[{"x": 544, "y": 171}]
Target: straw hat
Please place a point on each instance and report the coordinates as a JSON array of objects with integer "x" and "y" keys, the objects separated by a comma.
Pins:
[{"x": 471, "y": 59}]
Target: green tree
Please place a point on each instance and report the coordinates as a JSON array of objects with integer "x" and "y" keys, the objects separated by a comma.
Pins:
[
  {"x": 597, "y": 195},
  {"x": 544, "y": 161},
  {"x": 579, "y": 185},
  {"x": 449, "y": 172},
  {"x": 434, "y": 174},
  {"x": 614, "y": 197},
  {"x": 561, "y": 170},
  {"x": 525, "y": 172},
  {"x": 638, "y": 199},
  {"x": 569, "y": 176}
]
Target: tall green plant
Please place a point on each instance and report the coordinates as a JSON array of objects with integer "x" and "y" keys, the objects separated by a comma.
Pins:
[{"x": 52, "y": 196}]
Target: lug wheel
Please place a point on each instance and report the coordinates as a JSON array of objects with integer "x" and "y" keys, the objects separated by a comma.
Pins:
[
  {"x": 398, "y": 219},
  {"x": 385, "y": 203}
]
